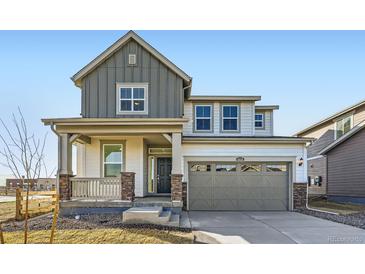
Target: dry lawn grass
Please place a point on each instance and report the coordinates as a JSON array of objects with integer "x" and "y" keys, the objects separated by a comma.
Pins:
[
  {"x": 102, "y": 236},
  {"x": 7, "y": 211},
  {"x": 339, "y": 208}
]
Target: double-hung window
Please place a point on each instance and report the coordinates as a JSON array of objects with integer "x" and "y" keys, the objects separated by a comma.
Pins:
[
  {"x": 259, "y": 120},
  {"x": 132, "y": 98},
  {"x": 112, "y": 159},
  {"x": 343, "y": 126},
  {"x": 229, "y": 118},
  {"x": 203, "y": 118}
]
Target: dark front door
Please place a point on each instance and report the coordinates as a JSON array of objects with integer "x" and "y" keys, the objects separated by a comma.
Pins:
[{"x": 164, "y": 166}]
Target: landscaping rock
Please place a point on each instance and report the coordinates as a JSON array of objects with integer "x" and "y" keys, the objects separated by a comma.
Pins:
[
  {"x": 92, "y": 221},
  {"x": 355, "y": 219}
]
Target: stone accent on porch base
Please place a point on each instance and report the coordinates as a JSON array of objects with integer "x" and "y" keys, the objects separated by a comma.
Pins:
[
  {"x": 300, "y": 195},
  {"x": 64, "y": 184},
  {"x": 185, "y": 195},
  {"x": 176, "y": 188},
  {"x": 128, "y": 186}
]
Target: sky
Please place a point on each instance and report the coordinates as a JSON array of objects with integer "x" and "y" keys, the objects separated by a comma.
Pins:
[{"x": 310, "y": 74}]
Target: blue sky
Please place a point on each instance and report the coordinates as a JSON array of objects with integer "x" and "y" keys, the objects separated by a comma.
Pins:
[{"x": 310, "y": 74}]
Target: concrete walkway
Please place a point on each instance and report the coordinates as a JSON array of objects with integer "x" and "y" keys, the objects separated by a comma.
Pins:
[{"x": 270, "y": 228}]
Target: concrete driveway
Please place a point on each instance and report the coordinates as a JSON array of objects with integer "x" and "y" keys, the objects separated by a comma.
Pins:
[{"x": 270, "y": 228}]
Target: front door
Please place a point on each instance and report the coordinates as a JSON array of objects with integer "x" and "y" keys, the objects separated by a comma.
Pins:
[{"x": 164, "y": 166}]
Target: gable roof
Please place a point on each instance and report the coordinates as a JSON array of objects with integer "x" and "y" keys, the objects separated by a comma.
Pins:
[
  {"x": 334, "y": 116},
  {"x": 120, "y": 43},
  {"x": 343, "y": 138}
]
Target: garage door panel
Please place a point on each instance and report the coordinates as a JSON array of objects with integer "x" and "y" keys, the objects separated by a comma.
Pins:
[{"x": 238, "y": 190}]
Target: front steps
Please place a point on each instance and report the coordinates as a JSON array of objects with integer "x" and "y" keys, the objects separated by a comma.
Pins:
[{"x": 151, "y": 215}]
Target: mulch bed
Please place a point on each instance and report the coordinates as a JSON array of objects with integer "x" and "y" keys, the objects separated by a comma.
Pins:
[
  {"x": 92, "y": 221},
  {"x": 355, "y": 219}
]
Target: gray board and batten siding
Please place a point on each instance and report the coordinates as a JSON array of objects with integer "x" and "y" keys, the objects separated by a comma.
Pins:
[
  {"x": 165, "y": 87},
  {"x": 346, "y": 167}
]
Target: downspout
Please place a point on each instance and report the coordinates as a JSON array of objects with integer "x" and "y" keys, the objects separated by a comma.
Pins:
[{"x": 59, "y": 155}]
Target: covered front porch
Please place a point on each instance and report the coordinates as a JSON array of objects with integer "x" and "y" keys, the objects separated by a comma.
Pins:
[{"x": 120, "y": 161}]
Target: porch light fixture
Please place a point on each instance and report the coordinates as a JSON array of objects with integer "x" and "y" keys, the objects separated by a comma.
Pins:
[{"x": 300, "y": 161}]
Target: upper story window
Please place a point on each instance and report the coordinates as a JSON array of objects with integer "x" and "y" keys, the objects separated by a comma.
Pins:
[
  {"x": 343, "y": 126},
  {"x": 229, "y": 118},
  {"x": 203, "y": 118},
  {"x": 259, "y": 120},
  {"x": 132, "y": 98}
]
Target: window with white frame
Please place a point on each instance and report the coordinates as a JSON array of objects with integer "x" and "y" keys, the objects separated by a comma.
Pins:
[
  {"x": 259, "y": 120},
  {"x": 230, "y": 118},
  {"x": 203, "y": 117},
  {"x": 112, "y": 160},
  {"x": 132, "y": 98},
  {"x": 343, "y": 126}
]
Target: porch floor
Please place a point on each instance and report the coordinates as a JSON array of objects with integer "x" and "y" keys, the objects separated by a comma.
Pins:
[{"x": 164, "y": 201}]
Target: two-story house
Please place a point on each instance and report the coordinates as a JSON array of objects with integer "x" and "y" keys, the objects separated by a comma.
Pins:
[
  {"x": 143, "y": 134},
  {"x": 335, "y": 158}
]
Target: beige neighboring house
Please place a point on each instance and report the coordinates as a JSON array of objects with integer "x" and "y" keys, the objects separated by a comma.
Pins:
[
  {"x": 327, "y": 133},
  {"x": 142, "y": 137}
]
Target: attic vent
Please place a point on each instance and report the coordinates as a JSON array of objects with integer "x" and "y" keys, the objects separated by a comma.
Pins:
[{"x": 132, "y": 59}]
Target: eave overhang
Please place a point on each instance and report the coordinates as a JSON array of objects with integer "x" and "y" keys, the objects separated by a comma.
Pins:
[{"x": 245, "y": 140}]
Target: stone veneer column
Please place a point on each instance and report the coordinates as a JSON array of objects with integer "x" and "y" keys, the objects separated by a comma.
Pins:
[
  {"x": 127, "y": 180},
  {"x": 300, "y": 195},
  {"x": 64, "y": 186},
  {"x": 176, "y": 188},
  {"x": 185, "y": 195}
]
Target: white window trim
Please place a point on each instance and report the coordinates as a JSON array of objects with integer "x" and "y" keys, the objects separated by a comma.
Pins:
[
  {"x": 196, "y": 118},
  {"x": 351, "y": 116},
  {"x": 121, "y": 163},
  {"x": 132, "y": 85},
  {"x": 237, "y": 118},
  {"x": 263, "y": 121}
]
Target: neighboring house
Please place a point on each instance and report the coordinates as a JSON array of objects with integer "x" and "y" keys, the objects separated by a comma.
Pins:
[
  {"x": 138, "y": 118},
  {"x": 327, "y": 133},
  {"x": 36, "y": 184}
]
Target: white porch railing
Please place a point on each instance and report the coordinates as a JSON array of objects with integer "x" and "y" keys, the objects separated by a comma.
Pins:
[{"x": 96, "y": 188}]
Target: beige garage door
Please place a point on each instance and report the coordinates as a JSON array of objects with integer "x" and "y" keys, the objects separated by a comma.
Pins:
[{"x": 231, "y": 186}]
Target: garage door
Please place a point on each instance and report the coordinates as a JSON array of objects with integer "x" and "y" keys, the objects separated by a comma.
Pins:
[{"x": 231, "y": 186}]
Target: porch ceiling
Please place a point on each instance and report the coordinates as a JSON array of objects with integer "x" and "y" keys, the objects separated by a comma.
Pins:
[{"x": 150, "y": 139}]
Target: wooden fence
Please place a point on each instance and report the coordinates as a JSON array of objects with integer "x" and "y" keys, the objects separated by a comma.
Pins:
[
  {"x": 7, "y": 191},
  {"x": 39, "y": 202}
]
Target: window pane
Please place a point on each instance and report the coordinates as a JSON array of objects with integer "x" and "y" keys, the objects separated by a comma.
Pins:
[
  {"x": 228, "y": 168},
  {"x": 251, "y": 168},
  {"x": 112, "y": 170},
  {"x": 229, "y": 124},
  {"x": 276, "y": 168},
  {"x": 203, "y": 111},
  {"x": 138, "y": 105},
  {"x": 125, "y": 105},
  {"x": 347, "y": 125},
  {"x": 230, "y": 111},
  {"x": 259, "y": 117},
  {"x": 112, "y": 153},
  {"x": 203, "y": 124},
  {"x": 258, "y": 124},
  {"x": 138, "y": 93},
  {"x": 200, "y": 168},
  {"x": 125, "y": 93}
]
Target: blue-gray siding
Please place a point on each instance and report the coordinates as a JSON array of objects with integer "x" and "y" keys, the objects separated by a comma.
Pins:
[
  {"x": 346, "y": 167},
  {"x": 165, "y": 94}
]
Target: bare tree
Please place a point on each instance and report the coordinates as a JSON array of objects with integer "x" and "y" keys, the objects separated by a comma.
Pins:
[{"x": 23, "y": 154}]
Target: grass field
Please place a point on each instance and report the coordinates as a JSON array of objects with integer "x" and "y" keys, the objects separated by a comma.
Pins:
[
  {"x": 103, "y": 236},
  {"x": 323, "y": 204}
]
